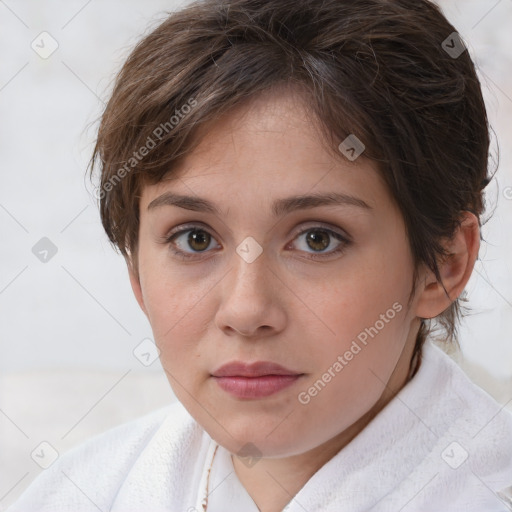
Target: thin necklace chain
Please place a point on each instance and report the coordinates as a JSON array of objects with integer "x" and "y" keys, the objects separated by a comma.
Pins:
[{"x": 205, "y": 499}]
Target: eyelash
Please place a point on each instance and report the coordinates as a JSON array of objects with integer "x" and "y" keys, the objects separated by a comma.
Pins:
[{"x": 186, "y": 256}]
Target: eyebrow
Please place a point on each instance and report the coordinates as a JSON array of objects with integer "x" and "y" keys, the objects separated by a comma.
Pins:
[{"x": 280, "y": 207}]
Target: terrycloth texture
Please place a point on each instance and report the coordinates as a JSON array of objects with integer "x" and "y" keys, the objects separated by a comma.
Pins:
[{"x": 442, "y": 444}]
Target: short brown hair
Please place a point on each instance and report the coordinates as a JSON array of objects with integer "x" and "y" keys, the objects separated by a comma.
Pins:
[{"x": 378, "y": 69}]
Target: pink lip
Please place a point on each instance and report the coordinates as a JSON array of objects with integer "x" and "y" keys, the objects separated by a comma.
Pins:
[{"x": 255, "y": 380}]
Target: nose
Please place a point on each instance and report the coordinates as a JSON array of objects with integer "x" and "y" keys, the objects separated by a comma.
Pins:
[{"x": 251, "y": 302}]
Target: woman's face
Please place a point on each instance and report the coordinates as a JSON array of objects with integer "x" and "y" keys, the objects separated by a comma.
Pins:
[{"x": 320, "y": 288}]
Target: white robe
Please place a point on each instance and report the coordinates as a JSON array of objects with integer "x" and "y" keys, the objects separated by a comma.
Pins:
[{"x": 441, "y": 445}]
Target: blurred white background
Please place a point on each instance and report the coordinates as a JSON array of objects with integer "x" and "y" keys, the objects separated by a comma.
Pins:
[{"x": 69, "y": 326}]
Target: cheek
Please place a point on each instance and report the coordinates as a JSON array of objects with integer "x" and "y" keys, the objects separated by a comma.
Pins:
[
  {"x": 349, "y": 374},
  {"x": 361, "y": 340},
  {"x": 177, "y": 307},
  {"x": 372, "y": 293},
  {"x": 365, "y": 322}
]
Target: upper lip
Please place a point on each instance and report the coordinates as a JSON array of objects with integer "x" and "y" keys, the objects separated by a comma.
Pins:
[{"x": 256, "y": 369}]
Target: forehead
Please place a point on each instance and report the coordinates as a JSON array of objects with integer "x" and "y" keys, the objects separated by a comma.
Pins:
[{"x": 269, "y": 148}]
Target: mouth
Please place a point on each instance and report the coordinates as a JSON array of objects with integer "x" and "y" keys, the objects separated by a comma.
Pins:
[{"x": 254, "y": 380}]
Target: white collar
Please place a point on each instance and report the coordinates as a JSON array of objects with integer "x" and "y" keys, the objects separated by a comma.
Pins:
[{"x": 225, "y": 490}]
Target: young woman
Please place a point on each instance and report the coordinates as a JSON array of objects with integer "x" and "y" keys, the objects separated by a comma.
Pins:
[{"x": 296, "y": 187}]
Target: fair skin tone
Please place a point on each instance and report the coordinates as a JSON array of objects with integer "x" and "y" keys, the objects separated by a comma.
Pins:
[{"x": 284, "y": 306}]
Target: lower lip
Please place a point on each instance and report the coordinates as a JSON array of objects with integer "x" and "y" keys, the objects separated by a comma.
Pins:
[{"x": 255, "y": 387}]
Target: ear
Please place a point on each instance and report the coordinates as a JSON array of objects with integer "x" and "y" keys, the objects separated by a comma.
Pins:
[
  {"x": 455, "y": 269},
  {"x": 135, "y": 282}
]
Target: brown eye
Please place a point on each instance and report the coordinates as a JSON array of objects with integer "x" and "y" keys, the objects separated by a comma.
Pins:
[
  {"x": 317, "y": 239},
  {"x": 198, "y": 240}
]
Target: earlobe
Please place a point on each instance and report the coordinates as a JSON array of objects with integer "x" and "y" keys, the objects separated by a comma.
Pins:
[
  {"x": 136, "y": 287},
  {"x": 455, "y": 269}
]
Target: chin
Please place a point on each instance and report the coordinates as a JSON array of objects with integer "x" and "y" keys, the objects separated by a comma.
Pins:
[{"x": 250, "y": 439}]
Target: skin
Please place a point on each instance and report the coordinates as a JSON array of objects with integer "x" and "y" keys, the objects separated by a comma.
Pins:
[{"x": 284, "y": 306}]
